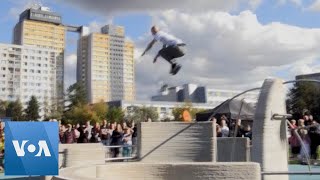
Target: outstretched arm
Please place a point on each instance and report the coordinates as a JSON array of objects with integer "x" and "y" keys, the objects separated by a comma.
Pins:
[{"x": 149, "y": 47}]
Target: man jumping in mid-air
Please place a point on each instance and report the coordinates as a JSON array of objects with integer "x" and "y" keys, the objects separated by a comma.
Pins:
[{"x": 171, "y": 48}]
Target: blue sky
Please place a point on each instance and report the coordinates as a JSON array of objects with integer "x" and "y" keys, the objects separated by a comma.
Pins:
[
  {"x": 291, "y": 14},
  {"x": 137, "y": 24}
]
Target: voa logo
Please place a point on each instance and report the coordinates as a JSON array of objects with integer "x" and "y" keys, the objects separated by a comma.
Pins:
[{"x": 31, "y": 148}]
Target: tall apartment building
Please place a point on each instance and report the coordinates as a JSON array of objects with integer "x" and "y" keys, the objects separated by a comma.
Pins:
[
  {"x": 40, "y": 27},
  {"x": 26, "y": 71},
  {"x": 105, "y": 65}
]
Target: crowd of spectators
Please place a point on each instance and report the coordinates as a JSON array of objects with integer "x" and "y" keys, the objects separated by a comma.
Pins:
[
  {"x": 304, "y": 135},
  {"x": 309, "y": 131},
  {"x": 226, "y": 128},
  {"x": 109, "y": 134}
]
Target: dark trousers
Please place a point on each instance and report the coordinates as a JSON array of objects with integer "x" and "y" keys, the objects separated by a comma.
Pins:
[
  {"x": 314, "y": 145},
  {"x": 171, "y": 52}
]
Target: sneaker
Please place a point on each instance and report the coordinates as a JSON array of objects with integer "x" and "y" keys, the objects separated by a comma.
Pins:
[
  {"x": 176, "y": 70},
  {"x": 173, "y": 66}
]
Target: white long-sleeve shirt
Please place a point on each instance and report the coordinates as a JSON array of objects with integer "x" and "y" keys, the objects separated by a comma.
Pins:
[{"x": 167, "y": 39}]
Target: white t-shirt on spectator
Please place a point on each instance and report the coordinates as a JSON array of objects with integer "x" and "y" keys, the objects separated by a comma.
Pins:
[
  {"x": 225, "y": 131},
  {"x": 166, "y": 39}
]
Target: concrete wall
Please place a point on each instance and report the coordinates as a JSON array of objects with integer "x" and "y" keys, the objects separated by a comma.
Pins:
[
  {"x": 176, "y": 142},
  {"x": 165, "y": 171},
  {"x": 81, "y": 154},
  {"x": 233, "y": 149},
  {"x": 269, "y": 135}
]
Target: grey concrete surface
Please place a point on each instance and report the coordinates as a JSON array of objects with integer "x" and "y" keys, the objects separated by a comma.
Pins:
[
  {"x": 81, "y": 154},
  {"x": 176, "y": 142},
  {"x": 269, "y": 138},
  {"x": 233, "y": 149},
  {"x": 165, "y": 171}
]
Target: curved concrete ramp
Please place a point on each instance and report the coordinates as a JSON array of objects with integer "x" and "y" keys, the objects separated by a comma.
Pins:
[
  {"x": 269, "y": 138},
  {"x": 165, "y": 171}
]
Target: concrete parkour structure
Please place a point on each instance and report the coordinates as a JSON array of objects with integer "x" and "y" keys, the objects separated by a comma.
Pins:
[{"x": 189, "y": 151}]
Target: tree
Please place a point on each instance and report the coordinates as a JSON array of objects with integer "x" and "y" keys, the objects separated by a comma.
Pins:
[
  {"x": 54, "y": 111},
  {"x": 142, "y": 114},
  {"x": 177, "y": 111},
  {"x": 32, "y": 111},
  {"x": 304, "y": 96},
  {"x": 76, "y": 95},
  {"x": 115, "y": 114},
  {"x": 15, "y": 110},
  {"x": 3, "y": 108},
  {"x": 101, "y": 110},
  {"x": 80, "y": 114}
]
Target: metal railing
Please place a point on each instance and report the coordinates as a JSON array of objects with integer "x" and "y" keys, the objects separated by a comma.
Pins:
[
  {"x": 290, "y": 173},
  {"x": 120, "y": 153}
]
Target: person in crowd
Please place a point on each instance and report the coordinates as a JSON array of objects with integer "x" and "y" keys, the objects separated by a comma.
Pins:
[
  {"x": 87, "y": 131},
  {"x": 62, "y": 129},
  {"x": 95, "y": 133},
  {"x": 116, "y": 140},
  {"x": 293, "y": 140},
  {"x": 224, "y": 128},
  {"x": 69, "y": 135},
  {"x": 304, "y": 152},
  {"x": 240, "y": 128},
  {"x": 314, "y": 134},
  {"x": 301, "y": 123},
  {"x": 104, "y": 133},
  {"x": 307, "y": 120},
  {"x": 76, "y": 131},
  {"x": 82, "y": 137},
  {"x": 124, "y": 125},
  {"x": 218, "y": 129},
  {"x": 134, "y": 137},
  {"x": 247, "y": 131},
  {"x": 127, "y": 142},
  {"x": 112, "y": 127},
  {"x": 237, "y": 127},
  {"x": 293, "y": 124}
]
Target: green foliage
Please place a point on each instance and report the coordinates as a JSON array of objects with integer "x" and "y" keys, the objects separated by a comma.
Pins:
[
  {"x": 3, "y": 108},
  {"x": 304, "y": 96},
  {"x": 80, "y": 114},
  {"x": 53, "y": 112},
  {"x": 142, "y": 114},
  {"x": 101, "y": 110},
  {"x": 177, "y": 111},
  {"x": 56, "y": 112},
  {"x": 32, "y": 111},
  {"x": 115, "y": 114},
  {"x": 76, "y": 95},
  {"x": 15, "y": 110}
]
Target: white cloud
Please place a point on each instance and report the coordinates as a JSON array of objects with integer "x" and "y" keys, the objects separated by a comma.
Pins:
[
  {"x": 315, "y": 6},
  {"x": 307, "y": 66},
  {"x": 95, "y": 26},
  {"x": 228, "y": 51},
  {"x": 19, "y": 7},
  {"x": 70, "y": 69},
  {"x": 296, "y": 2},
  {"x": 112, "y": 6}
]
